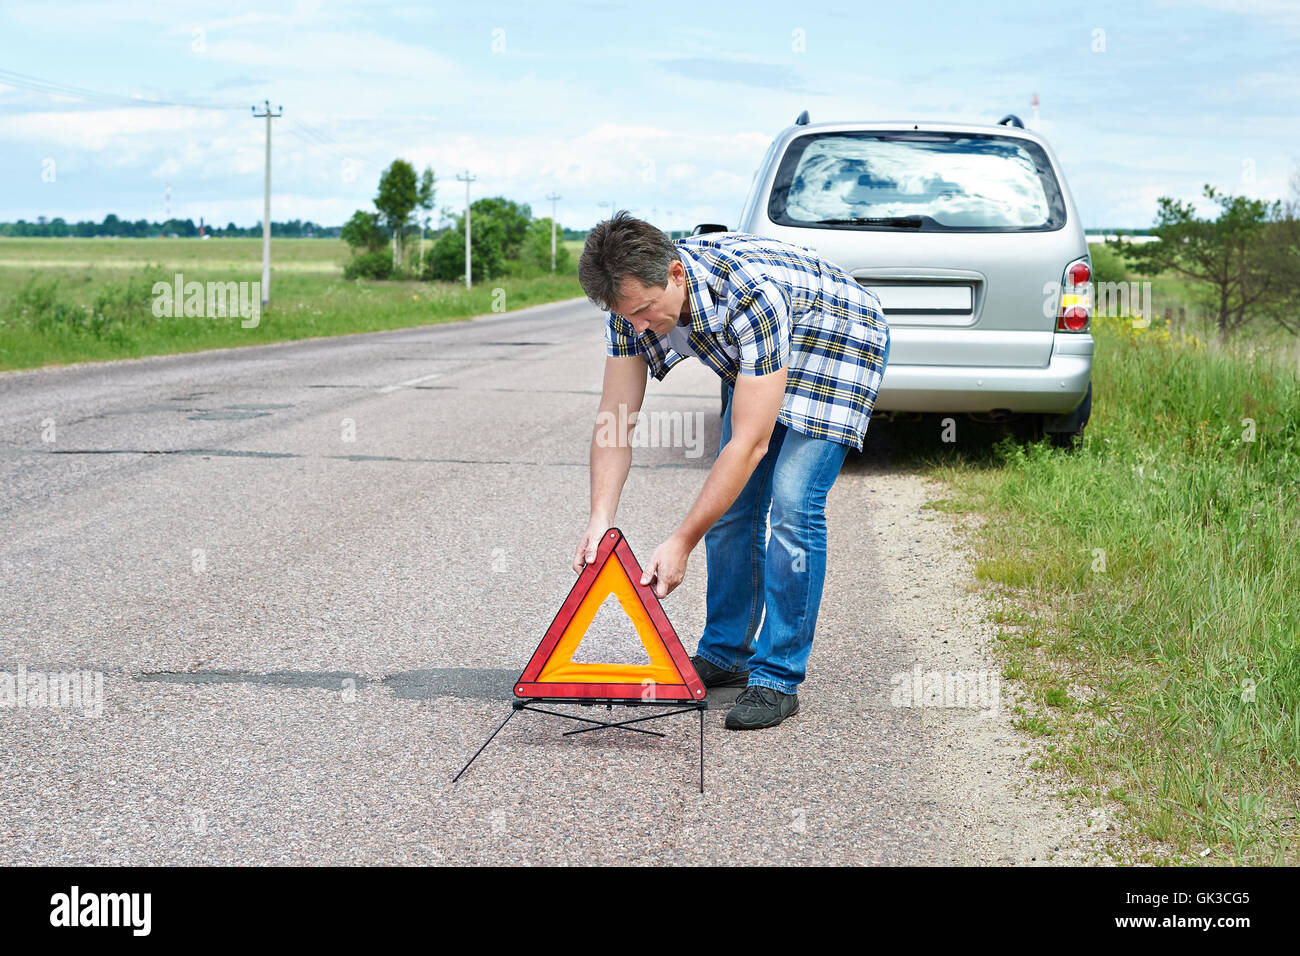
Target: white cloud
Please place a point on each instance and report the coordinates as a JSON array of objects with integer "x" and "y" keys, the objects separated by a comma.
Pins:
[
  {"x": 1283, "y": 13},
  {"x": 98, "y": 130}
]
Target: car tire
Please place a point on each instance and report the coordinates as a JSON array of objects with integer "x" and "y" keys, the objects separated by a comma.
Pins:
[{"x": 1071, "y": 436}]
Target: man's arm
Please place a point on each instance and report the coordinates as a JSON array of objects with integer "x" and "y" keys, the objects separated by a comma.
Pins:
[
  {"x": 755, "y": 401},
  {"x": 621, "y": 396}
]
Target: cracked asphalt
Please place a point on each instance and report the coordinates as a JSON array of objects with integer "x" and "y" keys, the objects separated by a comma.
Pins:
[{"x": 309, "y": 574}]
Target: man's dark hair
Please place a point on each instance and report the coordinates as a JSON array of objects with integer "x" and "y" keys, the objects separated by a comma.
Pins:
[{"x": 619, "y": 248}]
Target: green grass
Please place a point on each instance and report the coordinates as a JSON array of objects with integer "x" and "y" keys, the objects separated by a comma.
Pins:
[
  {"x": 70, "y": 312},
  {"x": 1149, "y": 586},
  {"x": 218, "y": 255}
]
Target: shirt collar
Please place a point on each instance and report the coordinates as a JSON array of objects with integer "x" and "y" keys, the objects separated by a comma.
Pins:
[{"x": 704, "y": 311}]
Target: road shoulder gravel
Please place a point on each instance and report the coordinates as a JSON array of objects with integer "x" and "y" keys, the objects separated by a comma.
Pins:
[{"x": 1000, "y": 810}]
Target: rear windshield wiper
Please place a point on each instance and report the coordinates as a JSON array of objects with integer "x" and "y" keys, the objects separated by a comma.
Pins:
[{"x": 901, "y": 222}]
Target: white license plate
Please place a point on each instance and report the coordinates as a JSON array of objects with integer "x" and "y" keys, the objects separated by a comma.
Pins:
[{"x": 925, "y": 299}]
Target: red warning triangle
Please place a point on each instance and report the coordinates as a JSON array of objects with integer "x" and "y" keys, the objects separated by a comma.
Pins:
[{"x": 553, "y": 673}]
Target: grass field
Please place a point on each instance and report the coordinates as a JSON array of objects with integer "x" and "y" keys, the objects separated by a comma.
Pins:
[
  {"x": 217, "y": 255},
  {"x": 70, "y": 300},
  {"x": 1147, "y": 584}
]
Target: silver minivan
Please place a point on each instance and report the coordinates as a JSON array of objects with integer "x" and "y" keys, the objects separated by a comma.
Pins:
[{"x": 969, "y": 236}]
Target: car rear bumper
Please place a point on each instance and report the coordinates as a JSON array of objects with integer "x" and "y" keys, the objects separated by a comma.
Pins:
[{"x": 1056, "y": 389}]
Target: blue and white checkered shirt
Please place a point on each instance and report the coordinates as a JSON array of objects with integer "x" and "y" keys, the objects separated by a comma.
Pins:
[{"x": 774, "y": 305}]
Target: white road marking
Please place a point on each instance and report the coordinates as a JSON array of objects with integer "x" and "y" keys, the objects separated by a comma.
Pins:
[{"x": 414, "y": 381}]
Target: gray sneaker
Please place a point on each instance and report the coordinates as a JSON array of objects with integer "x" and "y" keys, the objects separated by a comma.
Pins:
[
  {"x": 713, "y": 676},
  {"x": 758, "y": 707}
]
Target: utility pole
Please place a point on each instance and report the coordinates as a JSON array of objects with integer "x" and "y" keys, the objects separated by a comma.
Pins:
[
  {"x": 553, "y": 197},
  {"x": 466, "y": 178},
  {"x": 266, "y": 207}
]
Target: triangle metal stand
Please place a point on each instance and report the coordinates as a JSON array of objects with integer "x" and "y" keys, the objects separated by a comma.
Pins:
[{"x": 675, "y": 707}]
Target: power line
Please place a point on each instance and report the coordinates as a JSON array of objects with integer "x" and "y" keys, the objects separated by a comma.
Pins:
[
  {"x": 337, "y": 154},
  {"x": 315, "y": 137},
  {"x": 52, "y": 88},
  {"x": 320, "y": 134}
]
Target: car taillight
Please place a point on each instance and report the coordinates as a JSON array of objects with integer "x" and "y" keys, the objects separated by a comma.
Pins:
[{"x": 1076, "y": 297}]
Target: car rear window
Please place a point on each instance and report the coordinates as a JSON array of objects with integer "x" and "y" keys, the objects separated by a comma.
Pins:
[{"x": 922, "y": 181}]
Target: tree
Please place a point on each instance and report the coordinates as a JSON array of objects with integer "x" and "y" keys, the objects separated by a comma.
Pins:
[
  {"x": 446, "y": 258},
  {"x": 513, "y": 217},
  {"x": 1280, "y": 257},
  {"x": 424, "y": 202},
  {"x": 377, "y": 264},
  {"x": 537, "y": 247},
  {"x": 398, "y": 195},
  {"x": 1229, "y": 252},
  {"x": 363, "y": 232}
]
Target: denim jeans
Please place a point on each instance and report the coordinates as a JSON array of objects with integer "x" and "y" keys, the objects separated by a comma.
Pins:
[{"x": 777, "y": 582}]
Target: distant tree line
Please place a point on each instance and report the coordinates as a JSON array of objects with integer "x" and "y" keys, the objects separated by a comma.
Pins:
[
  {"x": 390, "y": 243},
  {"x": 141, "y": 229}
]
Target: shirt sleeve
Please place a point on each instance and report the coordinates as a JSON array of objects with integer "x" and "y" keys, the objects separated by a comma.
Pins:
[
  {"x": 760, "y": 326},
  {"x": 620, "y": 337}
]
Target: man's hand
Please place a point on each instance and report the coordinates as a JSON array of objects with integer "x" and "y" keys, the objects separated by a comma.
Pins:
[
  {"x": 586, "y": 552},
  {"x": 667, "y": 566}
]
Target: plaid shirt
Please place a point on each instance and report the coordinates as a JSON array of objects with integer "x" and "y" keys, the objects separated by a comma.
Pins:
[{"x": 774, "y": 305}]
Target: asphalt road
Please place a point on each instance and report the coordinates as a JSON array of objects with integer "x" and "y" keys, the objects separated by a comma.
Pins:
[{"x": 310, "y": 574}]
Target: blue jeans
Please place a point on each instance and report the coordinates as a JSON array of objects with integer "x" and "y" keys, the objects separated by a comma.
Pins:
[{"x": 778, "y": 582}]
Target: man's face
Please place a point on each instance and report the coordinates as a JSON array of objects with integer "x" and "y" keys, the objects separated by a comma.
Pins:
[{"x": 650, "y": 307}]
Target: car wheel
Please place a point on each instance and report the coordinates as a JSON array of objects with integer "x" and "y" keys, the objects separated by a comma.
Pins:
[{"x": 1076, "y": 421}]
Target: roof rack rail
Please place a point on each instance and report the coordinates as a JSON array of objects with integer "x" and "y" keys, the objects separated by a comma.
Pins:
[
  {"x": 802, "y": 119},
  {"x": 1011, "y": 119}
]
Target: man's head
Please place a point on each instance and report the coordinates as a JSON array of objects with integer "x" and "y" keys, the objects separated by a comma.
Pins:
[{"x": 633, "y": 269}]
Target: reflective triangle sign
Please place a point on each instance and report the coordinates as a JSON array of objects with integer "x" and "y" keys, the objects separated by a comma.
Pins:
[{"x": 552, "y": 671}]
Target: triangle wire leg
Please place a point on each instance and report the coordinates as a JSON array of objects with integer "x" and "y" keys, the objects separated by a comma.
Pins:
[
  {"x": 701, "y": 750},
  {"x": 513, "y": 711},
  {"x": 623, "y": 724},
  {"x": 587, "y": 720}
]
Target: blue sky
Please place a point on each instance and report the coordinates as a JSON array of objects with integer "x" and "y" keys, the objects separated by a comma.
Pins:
[{"x": 662, "y": 109}]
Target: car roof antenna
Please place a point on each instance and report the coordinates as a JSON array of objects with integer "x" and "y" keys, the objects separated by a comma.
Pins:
[
  {"x": 802, "y": 119},
  {"x": 1011, "y": 119}
]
